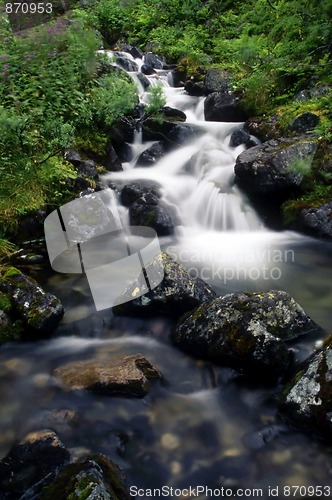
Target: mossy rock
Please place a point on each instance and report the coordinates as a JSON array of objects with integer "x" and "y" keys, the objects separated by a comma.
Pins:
[
  {"x": 38, "y": 309},
  {"x": 94, "y": 477},
  {"x": 246, "y": 331},
  {"x": 306, "y": 402}
]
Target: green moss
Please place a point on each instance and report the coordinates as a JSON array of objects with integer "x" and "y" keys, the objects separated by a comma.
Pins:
[
  {"x": 11, "y": 272},
  {"x": 11, "y": 332},
  {"x": 290, "y": 385},
  {"x": 5, "y": 302},
  {"x": 91, "y": 142},
  {"x": 68, "y": 486},
  {"x": 319, "y": 195}
]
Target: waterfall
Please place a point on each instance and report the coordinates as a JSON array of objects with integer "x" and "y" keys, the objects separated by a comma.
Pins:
[{"x": 217, "y": 224}]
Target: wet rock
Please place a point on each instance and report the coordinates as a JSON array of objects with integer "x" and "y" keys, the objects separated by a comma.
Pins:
[
  {"x": 180, "y": 134},
  {"x": 130, "y": 49},
  {"x": 239, "y": 137},
  {"x": 87, "y": 168},
  {"x": 276, "y": 165},
  {"x": 111, "y": 161},
  {"x": 151, "y": 155},
  {"x": 123, "y": 130},
  {"x": 127, "y": 375},
  {"x": 178, "y": 77},
  {"x": 256, "y": 440},
  {"x": 40, "y": 310},
  {"x": 143, "y": 80},
  {"x": 264, "y": 128},
  {"x": 194, "y": 88},
  {"x": 126, "y": 64},
  {"x": 131, "y": 192},
  {"x": 216, "y": 80},
  {"x": 153, "y": 60},
  {"x": 223, "y": 107},
  {"x": 31, "y": 225},
  {"x": 146, "y": 69},
  {"x": 173, "y": 133},
  {"x": 174, "y": 113},
  {"x": 94, "y": 477},
  {"x": 316, "y": 221},
  {"x": 176, "y": 294},
  {"x": 245, "y": 331},
  {"x": 307, "y": 400},
  {"x": 37, "y": 455},
  {"x": 304, "y": 122},
  {"x": 73, "y": 157},
  {"x": 149, "y": 211}
]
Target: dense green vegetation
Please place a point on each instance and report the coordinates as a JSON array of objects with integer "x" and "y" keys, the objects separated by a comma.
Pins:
[
  {"x": 54, "y": 94},
  {"x": 51, "y": 96}
]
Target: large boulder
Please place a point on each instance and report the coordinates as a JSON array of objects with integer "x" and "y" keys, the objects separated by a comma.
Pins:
[
  {"x": 245, "y": 330},
  {"x": 223, "y": 107},
  {"x": 40, "y": 310},
  {"x": 128, "y": 375},
  {"x": 176, "y": 294},
  {"x": 307, "y": 400},
  {"x": 276, "y": 165}
]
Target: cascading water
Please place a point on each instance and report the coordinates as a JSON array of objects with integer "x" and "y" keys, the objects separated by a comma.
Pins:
[{"x": 218, "y": 228}]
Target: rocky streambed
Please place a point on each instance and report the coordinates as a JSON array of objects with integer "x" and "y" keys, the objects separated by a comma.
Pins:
[{"x": 224, "y": 413}]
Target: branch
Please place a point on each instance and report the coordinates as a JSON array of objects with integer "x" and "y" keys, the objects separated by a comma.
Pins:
[
  {"x": 49, "y": 156},
  {"x": 270, "y": 4}
]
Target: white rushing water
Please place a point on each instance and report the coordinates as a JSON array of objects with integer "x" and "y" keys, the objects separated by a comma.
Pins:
[{"x": 218, "y": 228}]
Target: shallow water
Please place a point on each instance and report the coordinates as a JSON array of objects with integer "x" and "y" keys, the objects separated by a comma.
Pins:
[{"x": 201, "y": 424}]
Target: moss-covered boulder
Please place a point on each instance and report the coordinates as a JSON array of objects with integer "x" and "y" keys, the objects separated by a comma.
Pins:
[
  {"x": 94, "y": 477},
  {"x": 127, "y": 375},
  {"x": 307, "y": 400},
  {"x": 36, "y": 456},
  {"x": 176, "y": 294},
  {"x": 275, "y": 166},
  {"x": 39, "y": 310},
  {"x": 245, "y": 330}
]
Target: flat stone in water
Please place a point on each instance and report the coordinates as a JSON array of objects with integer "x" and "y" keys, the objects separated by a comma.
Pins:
[{"x": 127, "y": 375}]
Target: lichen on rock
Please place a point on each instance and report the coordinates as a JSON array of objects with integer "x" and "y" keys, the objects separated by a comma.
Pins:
[
  {"x": 307, "y": 400},
  {"x": 245, "y": 330},
  {"x": 40, "y": 310},
  {"x": 176, "y": 294}
]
